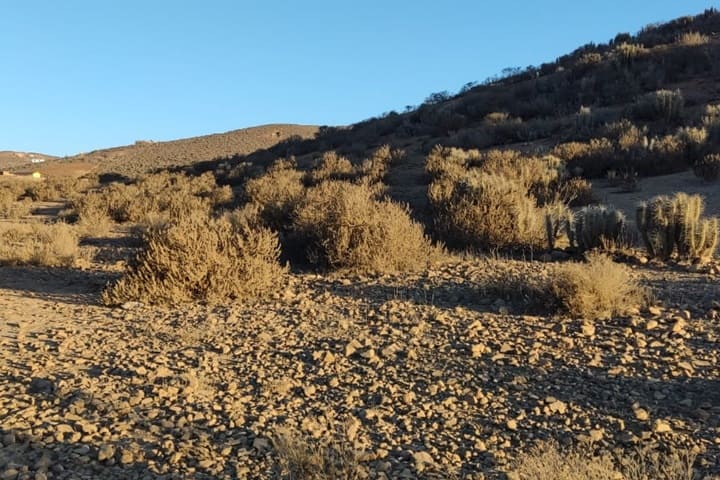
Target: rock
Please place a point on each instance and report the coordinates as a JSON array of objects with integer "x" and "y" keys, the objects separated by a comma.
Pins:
[
  {"x": 597, "y": 434},
  {"x": 477, "y": 350},
  {"x": 126, "y": 457},
  {"x": 587, "y": 329},
  {"x": 261, "y": 444},
  {"x": 661, "y": 426},
  {"x": 641, "y": 414},
  {"x": 106, "y": 451},
  {"x": 511, "y": 424},
  {"x": 651, "y": 324},
  {"x": 422, "y": 458},
  {"x": 655, "y": 311},
  {"x": 679, "y": 325},
  {"x": 41, "y": 386}
]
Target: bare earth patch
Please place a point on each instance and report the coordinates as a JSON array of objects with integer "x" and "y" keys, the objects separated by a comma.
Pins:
[{"x": 427, "y": 377}]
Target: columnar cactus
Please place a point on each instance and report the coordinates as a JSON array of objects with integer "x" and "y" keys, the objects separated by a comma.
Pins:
[
  {"x": 595, "y": 226},
  {"x": 674, "y": 224}
]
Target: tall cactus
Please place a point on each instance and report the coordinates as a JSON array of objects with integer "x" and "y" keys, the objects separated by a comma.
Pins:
[
  {"x": 669, "y": 224},
  {"x": 596, "y": 225}
]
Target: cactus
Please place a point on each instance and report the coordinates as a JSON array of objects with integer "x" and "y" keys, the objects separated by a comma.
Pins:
[
  {"x": 674, "y": 224},
  {"x": 596, "y": 225},
  {"x": 557, "y": 218}
]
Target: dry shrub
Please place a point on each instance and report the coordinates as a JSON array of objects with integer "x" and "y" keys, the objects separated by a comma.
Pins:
[
  {"x": 330, "y": 166},
  {"x": 55, "y": 189},
  {"x": 374, "y": 168},
  {"x": 201, "y": 259},
  {"x": 486, "y": 210},
  {"x": 11, "y": 206},
  {"x": 546, "y": 461},
  {"x": 627, "y": 53},
  {"x": 48, "y": 245},
  {"x": 692, "y": 39},
  {"x": 277, "y": 192},
  {"x": 598, "y": 288},
  {"x": 166, "y": 195},
  {"x": 492, "y": 199},
  {"x": 302, "y": 458},
  {"x": 343, "y": 225},
  {"x": 708, "y": 168}
]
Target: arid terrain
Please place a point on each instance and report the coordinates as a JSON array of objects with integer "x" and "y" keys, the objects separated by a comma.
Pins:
[{"x": 516, "y": 282}]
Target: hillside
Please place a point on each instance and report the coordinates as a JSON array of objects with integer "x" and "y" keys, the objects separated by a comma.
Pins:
[
  {"x": 145, "y": 156},
  {"x": 11, "y": 160}
]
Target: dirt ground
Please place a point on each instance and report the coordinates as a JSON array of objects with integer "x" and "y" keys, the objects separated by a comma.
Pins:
[{"x": 422, "y": 373}]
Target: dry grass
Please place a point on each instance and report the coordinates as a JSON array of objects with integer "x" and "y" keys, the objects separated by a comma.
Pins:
[
  {"x": 546, "y": 461},
  {"x": 692, "y": 39},
  {"x": 597, "y": 288},
  {"x": 343, "y": 225},
  {"x": 301, "y": 458},
  {"x": 201, "y": 259},
  {"x": 47, "y": 245}
]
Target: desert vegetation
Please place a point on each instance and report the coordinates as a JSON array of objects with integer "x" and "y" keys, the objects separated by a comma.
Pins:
[{"x": 518, "y": 281}]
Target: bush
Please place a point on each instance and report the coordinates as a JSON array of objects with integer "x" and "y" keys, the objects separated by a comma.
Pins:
[
  {"x": 674, "y": 225},
  {"x": 708, "y": 168},
  {"x": 342, "y": 225},
  {"x": 597, "y": 226},
  {"x": 47, "y": 245},
  {"x": 598, "y": 288},
  {"x": 55, "y": 189},
  {"x": 545, "y": 461},
  {"x": 277, "y": 193},
  {"x": 486, "y": 211},
  {"x": 374, "y": 168},
  {"x": 330, "y": 166},
  {"x": 302, "y": 458},
  {"x": 201, "y": 259},
  {"x": 166, "y": 195},
  {"x": 11, "y": 206}
]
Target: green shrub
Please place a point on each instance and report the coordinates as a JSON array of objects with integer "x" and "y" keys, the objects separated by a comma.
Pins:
[
  {"x": 201, "y": 259},
  {"x": 343, "y": 226},
  {"x": 670, "y": 225}
]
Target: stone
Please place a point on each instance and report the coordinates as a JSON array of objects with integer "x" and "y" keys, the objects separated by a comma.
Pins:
[
  {"x": 641, "y": 414},
  {"x": 511, "y": 424},
  {"x": 661, "y": 426},
  {"x": 106, "y": 452},
  {"x": 587, "y": 329}
]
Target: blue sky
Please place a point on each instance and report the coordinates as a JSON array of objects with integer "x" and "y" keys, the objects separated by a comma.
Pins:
[{"x": 78, "y": 75}]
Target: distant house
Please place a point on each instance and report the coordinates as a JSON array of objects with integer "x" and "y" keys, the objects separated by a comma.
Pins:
[{"x": 37, "y": 160}]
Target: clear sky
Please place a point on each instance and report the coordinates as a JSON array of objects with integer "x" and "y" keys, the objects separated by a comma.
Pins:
[{"x": 77, "y": 75}]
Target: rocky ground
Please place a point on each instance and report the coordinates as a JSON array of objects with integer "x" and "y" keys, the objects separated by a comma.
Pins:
[{"x": 425, "y": 375}]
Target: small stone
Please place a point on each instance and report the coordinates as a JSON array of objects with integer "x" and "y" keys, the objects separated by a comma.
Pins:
[
  {"x": 106, "y": 451},
  {"x": 597, "y": 434},
  {"x": 477, "y": 350},
  {"x": 679, "y": 325},
  {"x": 512, "y": 424},
  {"x": 126, "y": 457},
  {"x": 641, "y": 414},
  {"x": 261, "y": 444},
  {"x": 651, "y": 324},
  {"x": 653, "y": 310},
  {"x": 661, "y": 426},
  {"x": 9, "y": 474},
  {"x": 588, "y": 329},
  {"x": 422, "y": 458}
]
